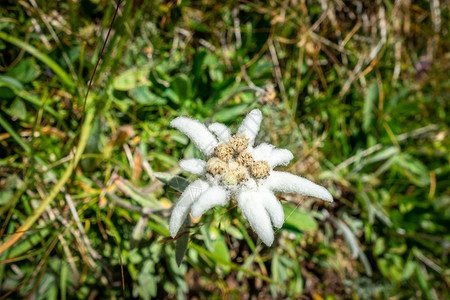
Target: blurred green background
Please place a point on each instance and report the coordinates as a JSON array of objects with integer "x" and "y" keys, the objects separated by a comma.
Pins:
[{"x": 358, "y": 91}]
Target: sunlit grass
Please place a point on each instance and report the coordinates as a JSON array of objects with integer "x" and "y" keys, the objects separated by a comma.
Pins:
[{"x": 357, "y": 91}]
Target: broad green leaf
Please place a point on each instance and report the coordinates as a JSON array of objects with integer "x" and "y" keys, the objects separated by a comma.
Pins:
[
  {"x": 198, "y": 66},
  {"x": 5, "y": 195},
  {"x": 147, "y": 281},
  {"x": 134, "y": 256},
  {"x": 234, "y": 232},
  {"x": 380, "y": 247},
  {"x": 231, "y": 112},
  {"x": 143, "y": 96},
  {"x": 182, "y": 243},
  {"x": 158, "y": 78},
  {"x": 11, "y": 82},
  {"x": 409, "y": 269},
  {"x": 298, "y": 219},
  {"x": 176, "y": 182},
  {"x": 8, "y": 86},
  {"x": 25, "y": 71},
  {"x": 181, "y": 85},
  {"x": 221, "y": 250},
  {"x": 130, "y": 79},
  {"x": 17, "y": 109}
]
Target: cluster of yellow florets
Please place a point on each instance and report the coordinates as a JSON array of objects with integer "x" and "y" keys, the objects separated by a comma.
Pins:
[{"x": 233, "y": 164}]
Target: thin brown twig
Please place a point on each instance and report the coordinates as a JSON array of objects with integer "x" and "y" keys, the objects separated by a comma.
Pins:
[{"x": 98, "y": 60}]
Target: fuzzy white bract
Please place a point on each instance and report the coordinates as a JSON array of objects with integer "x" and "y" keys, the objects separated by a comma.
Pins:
[{"x": 233, "y": 166}]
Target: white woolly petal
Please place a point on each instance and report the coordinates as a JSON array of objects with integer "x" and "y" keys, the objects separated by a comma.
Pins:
[
  {"x": 274, "y": 157},
  {"x": 210, "y": 198},
  {"x": 250, "y": 126},
  {"x": 250, "y": 184},
  {"x": 181, "y": 208},
  {"x": 274, "y": 209},
  {"x": 253, "y": 210},
  {"x": 262, "y": 151},
  {"x": 222, "y": 132},
  {"x": 193, "y": 165},
  {"x": 197, "y": 132},
  {"x": 279, "y": 157},
  {"x": 289, "y": 183}
]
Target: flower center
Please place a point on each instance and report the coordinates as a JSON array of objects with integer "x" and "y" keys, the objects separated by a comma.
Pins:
[
  {"x": 260, "y": 169},
  {"x": 238, "y": 142},
  {"x": 224, "y": 152},
  {"x": 232, "y": 165}
]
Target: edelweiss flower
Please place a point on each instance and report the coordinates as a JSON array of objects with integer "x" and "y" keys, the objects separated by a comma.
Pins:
[{"x": 234, "y": 167}]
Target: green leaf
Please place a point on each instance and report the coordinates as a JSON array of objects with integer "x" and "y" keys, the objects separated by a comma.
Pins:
[
  {"x": 147, "y": 281},
  {"x": 274, "y": 268},
  {"x": 181, "y": 85},
  {"x": 143, "y": 96},
  {"x": 298, "y": 219},
  {"x": 380, "y": 247},
  {"x": 11, "y": 82},
  {"x": 182, "y": 243},
  {"x": 234, "y": 232},
  {"x": 408, "y": 270},
  {"x": 416, "y": 171},
  {"x": 130, "y": 190},
  {"x": 36, "y": 102},
  {"x": 41, "y": 56},
  {"x": 138, "y": 232},
  {"x": 221, "y": 250},
  {"x": 130, "y": 79},
  {"x": 198, "y": 66},
  {"x": 14, "y": 134},
  {"x": 5, "y": 196},
  {"x": 158, "y": 78},
  {"x": 92, "y": 145},
  {"x": 21, "y": 248},
  {"x": 423, "y": 282},
  {"x": 368, "y": 109},
  {"x": 8, "y": 86},
  {"x": 231, "y": 112},
  {"x": 383, "y": 155},
  {"x": 17, "y": 109},
  {"x": 25, "y": 71},
  {"x": 176, "y": 182}
]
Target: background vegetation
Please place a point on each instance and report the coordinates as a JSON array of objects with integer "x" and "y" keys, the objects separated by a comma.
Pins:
[{"x": 357, "y": 90}]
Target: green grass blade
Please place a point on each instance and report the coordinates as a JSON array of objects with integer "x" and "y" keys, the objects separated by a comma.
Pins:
[
  {"x": 56, "y": 188},
  {"x": 14, "y": 134},
  {"x": 39, "y": 55}
]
